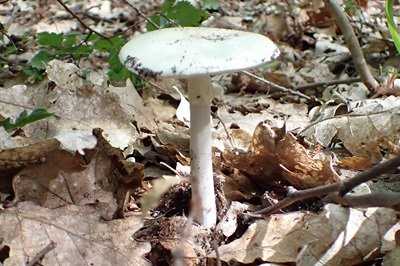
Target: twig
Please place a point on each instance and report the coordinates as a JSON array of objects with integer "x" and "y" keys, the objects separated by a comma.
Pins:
[
  {"x": 369, "y": 174},
  {"x": 143, "y": 15},
  {"x": 80, "y": 20},
  {"x": 170, "y": 21},
  {"x": 294, "y": 196},
  {"x": 225, "y": 129},
  {"x": 276, "y": 86},
  {"x": 6, "y": 25},
  {"x": 386, "y": 199},
  {"x": 215, "y": 247},
  {"x": 327, "y": 83},
  {"x": 358, "y": 57},
  {"x": 339, "y": 188},
  {"x": 41, "y": 254}
]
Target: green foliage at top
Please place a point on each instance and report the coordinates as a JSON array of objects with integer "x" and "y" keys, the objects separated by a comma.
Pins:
[
  {"x": 116, "y": 70},
  {"x": 56, "y": 46},
  {"x": 182, "y": 13},
  {"x": 23, "y": 119},
  {"x": 391, "y": 25},
  {"x": 75, "y": 46},
  {"x": 72, "y": 46}
]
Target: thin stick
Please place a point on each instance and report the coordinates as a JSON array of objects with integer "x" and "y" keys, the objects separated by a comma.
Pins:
[
  {"x": 327, "y": 83},
  {"x": 369, "y": 174},
  {"x": 80, "y": 20},
  {"x": 358, "y": 57},
  {"x": 143, "y": 15},
  {"x": 41, "y": 254},
  {"x": 297, "y": 195},
  {"x": 225, "y": 129},
  {"x": 342, "y": 187},
  {"x": 276, "y": 86},
  {"x": 385, "y": 199},
  {"x": 214, "y": 245}
]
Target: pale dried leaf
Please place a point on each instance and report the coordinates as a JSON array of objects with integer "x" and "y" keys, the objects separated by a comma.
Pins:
[
  {"x": 337, "y": 236},
  {"x": 82, "y": 238},
  {"x": 77, "y": 141},
  {"x": 183, "y": 110},
  {"x": 132, "y": 103},
  {"x": 85, "y": 106},
  {"x": 392, "y": 258},
  {"x": 372, "y": 126},
  {"x": 61, "y": 180},
  {"x": 229, "y": 222}
]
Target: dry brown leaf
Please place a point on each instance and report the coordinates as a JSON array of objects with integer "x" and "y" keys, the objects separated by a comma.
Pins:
[
  {"x": 260, "y": 162},
  {"x": 175, "y": 135},
  {"x": 130, "y": 173},
  {"x": 337, "y": 236},
  {"x": 80, "y": 235},
  {"x": 320, "y": 18},
  {"x": 354, "y": 162},
  {"x": 61, "y": 180},
  {"x": 299, "y": 169},
  {"x": 275, "y": 153},
  {"x": 372, "y": 127},
  {"x": 189, "y": 255}
]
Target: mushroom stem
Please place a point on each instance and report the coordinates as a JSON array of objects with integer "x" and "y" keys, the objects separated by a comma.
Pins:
[{"x": 202, "y": 182}]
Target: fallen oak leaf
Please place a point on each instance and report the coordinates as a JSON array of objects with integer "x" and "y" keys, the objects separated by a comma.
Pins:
[
  {"x": 275, "y": 157},
  {"x": 299, "y": 169},
  {"x": 260, "y": 161},
  {"x": 130, "y": 173}
]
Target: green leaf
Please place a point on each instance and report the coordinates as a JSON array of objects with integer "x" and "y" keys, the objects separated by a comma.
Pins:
[
  {"x": 391, "y": 25},
  {"x": 167, "y": 5},
  {"x": 69, "y": 40},
  {"x": 50, "y": 39},
  {"x": 76, "y": 52},
  {"x": 158, "y": 20},
  {"x": 6, "y": 123},
  {"x": 181, "y": 13},
  {"x": 41, "y": 59},
  {"x": 23, "y": 119},
  {"x": 184, "y": 14},
  {"x": 348, "y": 5},
  {"x": 103, "y": 45},
  {"x": 106, "y": 45},
  {"x": 34, "y": 73},
  {"x": 10, "y": 49}
]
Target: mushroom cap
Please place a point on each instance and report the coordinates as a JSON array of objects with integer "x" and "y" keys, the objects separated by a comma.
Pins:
[{"x": 193, "y": 51}]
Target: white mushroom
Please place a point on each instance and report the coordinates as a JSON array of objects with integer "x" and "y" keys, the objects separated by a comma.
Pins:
[{"x": 195, "y": 54}]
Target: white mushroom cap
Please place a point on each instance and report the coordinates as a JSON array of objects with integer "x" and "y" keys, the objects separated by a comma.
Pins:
[{"x": 190, "y": 51}]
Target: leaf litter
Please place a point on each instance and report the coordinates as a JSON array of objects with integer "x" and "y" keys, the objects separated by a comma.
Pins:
[{"x": 87, "y": 196}]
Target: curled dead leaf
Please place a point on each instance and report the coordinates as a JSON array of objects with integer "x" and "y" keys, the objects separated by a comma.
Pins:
[
  {"x": 299, "y": 169},
  {"x": 275, "y": 156}
]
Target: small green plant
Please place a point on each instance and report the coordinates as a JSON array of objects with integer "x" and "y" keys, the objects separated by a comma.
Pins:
[
  {"x": 116, "y": 70},
  {"x": 180, "y": 13},
  {"x": 391, "y": 25},
  {"x": 75, "y": 46},
  {"x": 56, "y": 46},
  {"x": 23, "y": 119},
  {"x": 71, "y": 46}
]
